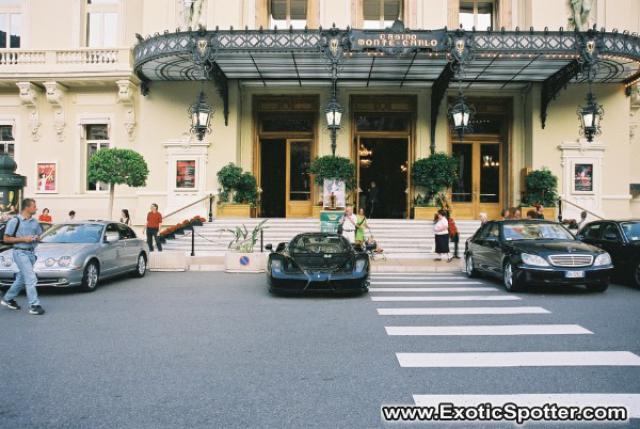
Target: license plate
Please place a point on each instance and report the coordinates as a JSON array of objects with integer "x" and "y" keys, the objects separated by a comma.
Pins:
[{"x": 574, "y": 274}]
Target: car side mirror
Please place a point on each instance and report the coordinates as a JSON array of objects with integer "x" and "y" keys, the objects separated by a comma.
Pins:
[
  {"x": 269, "y": 247},
  {"x": 111, "y": 237}
]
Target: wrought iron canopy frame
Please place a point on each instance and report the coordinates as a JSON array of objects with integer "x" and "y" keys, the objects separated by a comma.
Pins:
[{"x": 396, "y": 56}]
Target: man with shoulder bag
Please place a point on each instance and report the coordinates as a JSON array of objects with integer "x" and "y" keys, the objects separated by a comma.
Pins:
[{"x": 23, "y": 231}]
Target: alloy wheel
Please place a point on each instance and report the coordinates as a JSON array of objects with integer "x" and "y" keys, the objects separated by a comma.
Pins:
[
  {"x": 92, "y": 276},
  {"x": 508, "y": 277},
  {"x": 468, "y": 266},
  {"x": 142, "y": 265}
]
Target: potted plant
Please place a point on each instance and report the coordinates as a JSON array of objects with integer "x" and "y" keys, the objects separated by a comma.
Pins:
[
  {"x": 240, "y": 255},
  {"x": 434, "y": 175},
  {"x": 238, "y": 192},
  {"x": 333, "y": 172},
  {"x": 540, "y": 187}
]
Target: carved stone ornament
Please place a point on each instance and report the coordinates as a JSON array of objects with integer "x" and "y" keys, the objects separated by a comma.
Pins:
[
  {"x": 126, "y": 91},
  {"x": 55, "y": 96},
  {"x": 582, "y": 14},
  {"x": 191, "y": 13},
  {"x": 28, "y": 97}
]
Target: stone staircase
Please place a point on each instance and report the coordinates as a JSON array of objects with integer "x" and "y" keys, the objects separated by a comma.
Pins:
[{"x": 398, "y": 237}]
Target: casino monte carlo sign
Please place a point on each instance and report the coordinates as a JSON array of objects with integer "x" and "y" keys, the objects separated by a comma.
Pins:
[{"x": 396, "y": 42}]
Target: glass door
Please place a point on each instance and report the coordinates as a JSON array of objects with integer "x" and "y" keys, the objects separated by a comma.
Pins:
[
  {"x": 479, "y": 186},
  {"x": 299, "y": 198}
]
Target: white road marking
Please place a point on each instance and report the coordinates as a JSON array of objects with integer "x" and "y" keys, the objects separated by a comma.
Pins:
[
  {"x": 432, "y": 289},
  {"x": 628, "y": 400},
  {"x": 488, "y": 330},
  {"x": 376, "y": 282},
  {"x": 459, "y": 311},
  {"x": 419, "y": 279},
  {"x": 447, "y": 298},
  {"x": 517, "y": 359}
]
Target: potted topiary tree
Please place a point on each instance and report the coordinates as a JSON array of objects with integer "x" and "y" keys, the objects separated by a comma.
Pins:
[
  {"x": 240, "y": 255},
  {"x": 540, "y": 188},
  {"x": 238, "y": 192},
  {"x": 332, "y": 172},
  {"x": 433, "y": 176}
]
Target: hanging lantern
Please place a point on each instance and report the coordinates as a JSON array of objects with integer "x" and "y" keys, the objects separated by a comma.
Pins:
[
  {"x": 590, "y": 116},
  {"x": 201, "y": 114},
  {"x": 460, "y": 115}
]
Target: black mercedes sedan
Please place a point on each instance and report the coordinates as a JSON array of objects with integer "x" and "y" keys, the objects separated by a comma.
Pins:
[
  {"x": 317, "y": 262},
  {"x": 534, "y": 252},
  {"x": 621, "y": 239}
]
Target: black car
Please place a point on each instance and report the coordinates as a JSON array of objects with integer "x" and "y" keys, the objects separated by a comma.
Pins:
[
  {"x": 535, "y": 252},
  {"x": 317, "y": 262},
  {"x": 621, "y": 239}
]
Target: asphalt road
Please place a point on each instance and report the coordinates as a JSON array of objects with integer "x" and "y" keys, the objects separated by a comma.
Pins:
[{"x": 211, "y": 350}]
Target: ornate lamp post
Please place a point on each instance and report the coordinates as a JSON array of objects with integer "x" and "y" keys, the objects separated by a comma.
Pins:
[
  {"x": 333, "y": 114},
  {"x": 590, "y": 116},
  {"x": 201, "y": 113}
]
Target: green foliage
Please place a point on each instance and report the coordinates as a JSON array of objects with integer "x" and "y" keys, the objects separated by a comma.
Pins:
[
  {"x": 244, "y": 241},
  {"x": 246, "y": 189},
  {"x": 435, "y": 174},
  {"x": 541, "y": 188},
  {"x": 243, "y": 185},
  {"x": 118, "y": 167},
  {"x": 334, "y": 167}
]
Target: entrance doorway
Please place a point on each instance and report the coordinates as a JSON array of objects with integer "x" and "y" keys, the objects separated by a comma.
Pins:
[
  {"x": 284, "y": 147},
  {"x": 479, "y": 186},
  {"x": 284, "y": 176},
  {"x": 383, "y": 161}
]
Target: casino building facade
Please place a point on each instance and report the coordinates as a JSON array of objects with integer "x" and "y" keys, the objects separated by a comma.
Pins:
[{"x": 78, "y": 76}]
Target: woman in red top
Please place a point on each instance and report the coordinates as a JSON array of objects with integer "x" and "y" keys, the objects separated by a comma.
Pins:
[
  {"x": 154, "y": 220},
  {"x": 45, "y": 217}
]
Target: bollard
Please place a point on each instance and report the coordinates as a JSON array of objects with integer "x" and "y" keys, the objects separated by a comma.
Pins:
[
  {"x": 261, "y": 241},
  {"x": 193, "y": 241}
]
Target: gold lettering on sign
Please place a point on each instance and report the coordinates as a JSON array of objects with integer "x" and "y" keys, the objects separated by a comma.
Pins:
[{"x": 392, "y": 40}]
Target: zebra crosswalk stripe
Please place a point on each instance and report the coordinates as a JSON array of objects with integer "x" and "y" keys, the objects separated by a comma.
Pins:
[
  {"x": 447, "y": 298},
  {"x": 460, "y": 311},
  {"x": 488, "y": 330},
  {"x": 432, "y": 289}
]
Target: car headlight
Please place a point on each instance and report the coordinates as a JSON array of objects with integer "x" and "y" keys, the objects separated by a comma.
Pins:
[
  {"x": 360, "y": 264},
  {"x": 603, "y": 259},
  {"x": 64, "y": 261},
  {"x": 49, "y": 262},
  {"x": 276, "y": 265},
  {"x": 535, "y": 260},
  {"x": 6, "y": 261}
]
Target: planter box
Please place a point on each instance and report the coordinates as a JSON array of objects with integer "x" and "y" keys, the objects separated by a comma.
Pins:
[
  {"x": 424, "y": 213},
  {"x": 196, "y": 223},
  {"x": 236, "y": 262},
  {"x": 234, "y": 210},
  {"x": 549, "y": 212}
]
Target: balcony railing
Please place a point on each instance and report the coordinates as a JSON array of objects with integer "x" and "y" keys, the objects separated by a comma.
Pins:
[{"x": 47, "y": 63}]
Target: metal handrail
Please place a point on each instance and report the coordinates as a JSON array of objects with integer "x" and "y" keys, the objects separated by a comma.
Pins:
[
  {"x": 561, "y": 200},
  {"x": 209, "y": 197}
]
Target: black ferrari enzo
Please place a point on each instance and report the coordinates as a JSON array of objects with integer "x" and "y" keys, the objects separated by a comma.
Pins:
[{"x": 317, "y": 262}]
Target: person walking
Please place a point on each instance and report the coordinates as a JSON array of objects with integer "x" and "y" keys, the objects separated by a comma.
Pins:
[
  {"x": 125, "y": 218},
  {"x": 361, "y": 225},
  {"x": 349, "y": 222},
  {"x": 372, "y": 198},
  {"x": 45, "y": 216},
  {"x": 441, "y": 231},
  {"x": 72, "y": 216},
  {"x": 23, "y": 231},
  {"x": 454, "y": 236},
  {"x": 154, "y": 220}
]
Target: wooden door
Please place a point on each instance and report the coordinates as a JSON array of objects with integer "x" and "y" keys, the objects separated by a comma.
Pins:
[
  {"x": 299, "y": 185},
  {"x": 480, "y": 185}
]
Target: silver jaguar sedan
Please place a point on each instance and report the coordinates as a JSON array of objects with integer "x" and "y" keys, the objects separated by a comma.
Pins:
[{"x": 81, "y": 254}]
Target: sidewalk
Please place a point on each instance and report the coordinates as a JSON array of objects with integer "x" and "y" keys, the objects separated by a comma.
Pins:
[{"x": 179, "y": 261}]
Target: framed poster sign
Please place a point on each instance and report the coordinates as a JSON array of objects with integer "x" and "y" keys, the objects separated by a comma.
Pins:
[
  {"x": 583, "y": 177},
  {"x": 186, "y": 174},
  {"x": 47, "y": 177}
]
